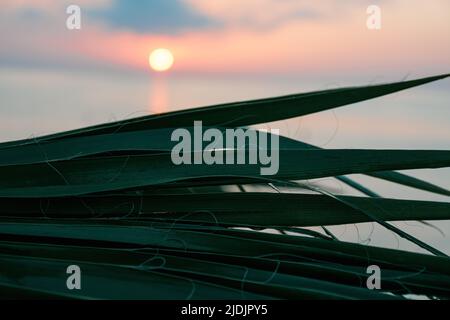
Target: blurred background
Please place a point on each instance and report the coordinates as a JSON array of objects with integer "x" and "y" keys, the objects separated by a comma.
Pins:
[{"x": 53, "y": 78}]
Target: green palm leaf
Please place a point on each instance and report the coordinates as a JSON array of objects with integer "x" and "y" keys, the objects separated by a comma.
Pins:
[{"x": 109, "y": 199}]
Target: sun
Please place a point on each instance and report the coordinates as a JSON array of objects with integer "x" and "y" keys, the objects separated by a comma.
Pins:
[{"x": 161, "y": 59}]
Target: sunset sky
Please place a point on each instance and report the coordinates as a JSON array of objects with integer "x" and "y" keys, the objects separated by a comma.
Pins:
[
  {"x": 224, "y": 50},
  {"x": 230, "y": 36}
]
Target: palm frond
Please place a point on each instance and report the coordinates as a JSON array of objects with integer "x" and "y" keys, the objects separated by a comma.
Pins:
[{"x": 109, "y": 199}]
